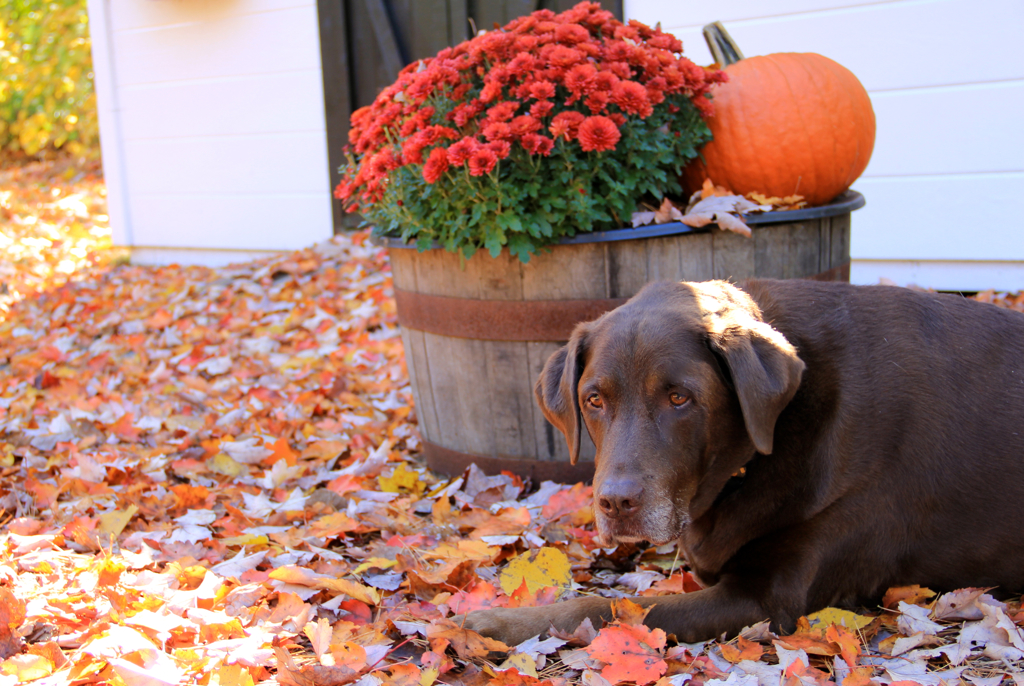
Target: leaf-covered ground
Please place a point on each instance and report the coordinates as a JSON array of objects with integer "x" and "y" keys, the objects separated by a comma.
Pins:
[
  {"x": 211, "y": 476},
  {"x": 53, "y": 223}
]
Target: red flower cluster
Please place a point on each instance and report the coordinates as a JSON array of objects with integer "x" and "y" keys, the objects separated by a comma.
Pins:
[{"x": 544, "y": 79}]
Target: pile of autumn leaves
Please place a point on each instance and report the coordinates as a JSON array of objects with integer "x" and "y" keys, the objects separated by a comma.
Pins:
[{"x": 211, "y": 476}]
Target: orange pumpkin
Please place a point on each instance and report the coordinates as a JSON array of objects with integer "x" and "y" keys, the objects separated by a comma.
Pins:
[{"x": 787, "y": 124}]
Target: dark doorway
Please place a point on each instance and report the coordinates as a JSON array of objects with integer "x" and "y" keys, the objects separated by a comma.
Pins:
[{"x": 364, "y": 44}]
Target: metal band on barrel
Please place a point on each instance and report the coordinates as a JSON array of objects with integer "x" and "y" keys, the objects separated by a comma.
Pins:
[{"x": 516, "y": 320}]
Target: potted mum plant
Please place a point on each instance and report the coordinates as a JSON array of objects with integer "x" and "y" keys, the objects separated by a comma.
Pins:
[
  {"x": 500, "y": 174},
  {"x": 556, "y": 124}
]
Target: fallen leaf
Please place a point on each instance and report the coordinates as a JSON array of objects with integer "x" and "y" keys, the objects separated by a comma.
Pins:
[
  {"x": 742, "y": 650},
  {"x": 632, "y": 653},
  {"x": 468, "y": 644},
  {"x": 548, "y": 567}
]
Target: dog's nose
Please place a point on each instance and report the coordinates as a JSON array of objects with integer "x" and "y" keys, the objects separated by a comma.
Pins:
[{"x": 620, "y": 498}]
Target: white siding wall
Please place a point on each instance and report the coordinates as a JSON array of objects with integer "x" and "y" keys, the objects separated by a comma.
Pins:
[
  {"x": 946, "y": 78},
  {"x": 212, "y": 126}
]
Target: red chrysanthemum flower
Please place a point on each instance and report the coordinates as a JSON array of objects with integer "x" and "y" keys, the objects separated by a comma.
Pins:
[
  {"x": 617, "y": 51},
  {"x": 596, "y": 102},
  {"x": 631, "y": 97},
  {"x": 466, "y": 111},
  {"x": 571, "y": 34},
  {"x": 605, "y": 81},
  {"x": 656, "y": 88},
  {"x": 580, "y": 79},
  {"x": 536, "y": 144},
  {"x": 500, "y": 148},
  {"x": 412, "y": 149},
  {"x": 524, "y": 124},
  {"x": 542, "y": 90},
  {"x": 598, "y": 134},
  {"x": 460, "y": 152},
  {"x": 526, "y": 43},
  {"x": 566, "y": 124},
  {"x": 437, "y": 164},
  {"x": 490, "y": 92},
  {"x": 665, "y": 41},
  {"x": 482, "y": 161},
  {"x": 561, "y": 56},
  {"x": 522, "y": 64},
  {"x": 496, "y": 131},
  {"x": 343, "y": 190},
  {"x": 383, "y": 162},
  {"x": 503, "y": 111},
  {"x": 542, "y": 108}
]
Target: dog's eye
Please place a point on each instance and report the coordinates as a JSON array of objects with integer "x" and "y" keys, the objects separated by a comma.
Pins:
[
  {"x": 678, "y": 399},
  {"x": 595, "y": 401}
]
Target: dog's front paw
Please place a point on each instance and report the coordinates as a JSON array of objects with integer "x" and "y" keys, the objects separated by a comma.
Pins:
[{"x": 511, "y": 626}]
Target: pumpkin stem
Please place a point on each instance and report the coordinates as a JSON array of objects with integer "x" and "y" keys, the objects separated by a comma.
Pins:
[{"x": 723, "y": 47}]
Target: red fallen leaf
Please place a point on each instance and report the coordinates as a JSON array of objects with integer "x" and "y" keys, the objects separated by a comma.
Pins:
[
  {"x": 568, "y": 502},
  {"x": 12, "y": 614},
  {"x": 522, "y": 597},
  {"x": 125, "y": 429},
  {"x": 483, "y": 596},
  {"x": 45, "y": 380},
  {"x": 848, "y": 642},
  {"x": 359, "y": 612},
  {"x": 682, "y": 582},
  {"x": 632, "y": 653}
]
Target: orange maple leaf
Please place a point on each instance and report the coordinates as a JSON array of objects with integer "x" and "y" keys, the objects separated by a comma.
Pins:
[
  {"x": 632, "y": 653},
  {"x": 743, "y": 650}
]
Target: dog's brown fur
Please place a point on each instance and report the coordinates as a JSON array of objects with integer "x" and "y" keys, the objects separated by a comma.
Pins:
[{"x": 881, "y": 431}]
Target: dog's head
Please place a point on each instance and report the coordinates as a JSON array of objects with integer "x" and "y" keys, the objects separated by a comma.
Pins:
[{"x": 678, "y": 388}]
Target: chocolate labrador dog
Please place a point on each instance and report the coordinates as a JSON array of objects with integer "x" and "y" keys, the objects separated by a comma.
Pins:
[{"x": 809, "y": 444}]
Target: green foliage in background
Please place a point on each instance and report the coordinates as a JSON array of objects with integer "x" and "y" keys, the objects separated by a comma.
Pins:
[{"x": 46, "y": 94}]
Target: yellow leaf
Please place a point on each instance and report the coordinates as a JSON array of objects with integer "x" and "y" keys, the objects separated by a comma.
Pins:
[
  {"x": 27, "y": 667},
  {"x": 113, "y": 523},
  {"x": 221, "y": 463},
  {"x": 550, "y": 567},
  {"x": 522, "y": 662},
  {"x": 833, "y": 615},
  {"x": 293, "y": 574},
  {"x": 231, "y": 675},
  {"x": 353, "y": 589},
  {"x": 428, "y": 676},
  {"x": 402, "y": 479},
  {"x": 374, "y": 562},
  {"x": 245, "y": 539}
]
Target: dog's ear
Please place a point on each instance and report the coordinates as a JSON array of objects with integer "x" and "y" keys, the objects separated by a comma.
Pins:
[
  {"x": 556, "y": 390},
  {"x": 763, "y": 365}
]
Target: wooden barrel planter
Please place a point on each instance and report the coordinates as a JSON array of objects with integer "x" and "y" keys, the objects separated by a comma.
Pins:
[{"x": 477, "y": 334}]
